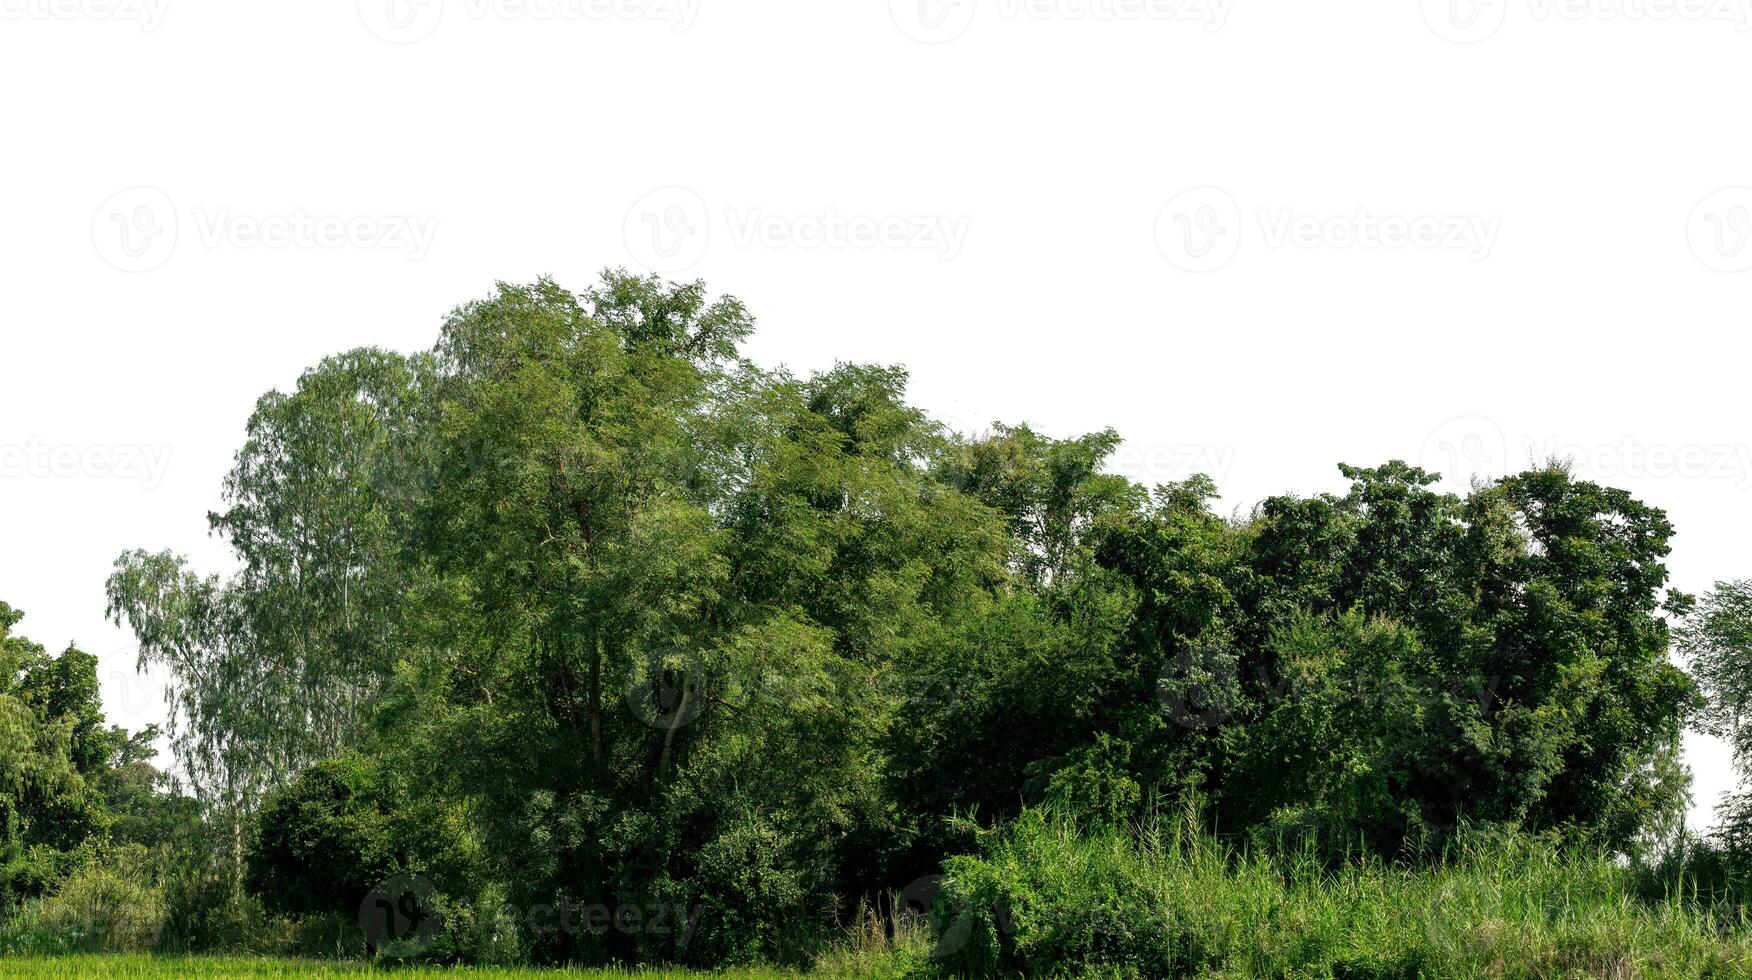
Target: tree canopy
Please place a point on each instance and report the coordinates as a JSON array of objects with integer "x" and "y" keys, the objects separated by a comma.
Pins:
[{"x": 581, "y": 606}]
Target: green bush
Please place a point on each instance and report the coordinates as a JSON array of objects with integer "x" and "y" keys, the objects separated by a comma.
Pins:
[
  {"x": 105, "y": 906},
  {"x": 205, "y": 912},
  {"x": 321, "y": 843},
  {"x": 751, "y": 897},
  {"x": 484, "y": 930},
  {"x": 1048, "y": 899}
]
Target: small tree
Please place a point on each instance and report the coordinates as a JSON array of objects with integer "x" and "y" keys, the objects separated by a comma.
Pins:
[{"x": 1716, "y": 639}]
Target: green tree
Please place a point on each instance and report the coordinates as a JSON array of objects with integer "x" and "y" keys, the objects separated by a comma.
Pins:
[
  {"x": 277, "y": 667},
  {"x": 1715, "y": 636},
  {"x": 583, "y": 608},
  {"x": 322, "y": 842},
  {"x": 61, "y": 768}
]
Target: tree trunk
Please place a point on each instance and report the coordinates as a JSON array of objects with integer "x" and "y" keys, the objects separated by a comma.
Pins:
[{"x": 596, "y": 701}]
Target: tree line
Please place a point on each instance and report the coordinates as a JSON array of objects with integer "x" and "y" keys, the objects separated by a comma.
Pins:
[{"x": 583, "y": 609}]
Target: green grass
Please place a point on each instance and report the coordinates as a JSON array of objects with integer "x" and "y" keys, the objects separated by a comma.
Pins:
[
  {"x": 172, "y": 967},
  {"x": 1048, "y": 900}
]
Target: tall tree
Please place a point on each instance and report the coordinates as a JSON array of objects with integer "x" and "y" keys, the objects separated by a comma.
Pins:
[
  {"x": 58, "y": 762},
  {"x": 275, "y": 668},
  {"x": 1716, "y": 639}
]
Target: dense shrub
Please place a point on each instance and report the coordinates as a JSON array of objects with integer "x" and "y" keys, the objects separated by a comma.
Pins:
[
  {"x": 108, "y": 905},
  {"x": 322, "y": 843},
  {"x": 206, "y": 912},
  {"x": 1049, "y": 899}
]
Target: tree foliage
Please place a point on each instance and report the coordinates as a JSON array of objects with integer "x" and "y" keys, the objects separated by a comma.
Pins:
[
  {"x": 1716, "y": 638},
  {"x": 70, "y": 785},
  {"x": 583, "y": 608}
]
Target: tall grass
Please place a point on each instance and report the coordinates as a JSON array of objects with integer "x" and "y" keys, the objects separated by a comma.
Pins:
[
  {"x": 141, "y": 967},
  {"x": 1050, "y": 899}
]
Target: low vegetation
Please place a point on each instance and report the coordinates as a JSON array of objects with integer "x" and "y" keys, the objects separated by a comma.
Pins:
[
  {"x": 1050, "y": 900},
  {"x": 138, "y": 967}
]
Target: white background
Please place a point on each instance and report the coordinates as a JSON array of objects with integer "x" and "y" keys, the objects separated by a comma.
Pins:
[{"x": 1259, "y": 238}]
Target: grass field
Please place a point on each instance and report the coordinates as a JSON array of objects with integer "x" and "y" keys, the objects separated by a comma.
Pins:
[
  {"x": 174, "y": 967},
  {"x": 1048, "y": 900}
]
